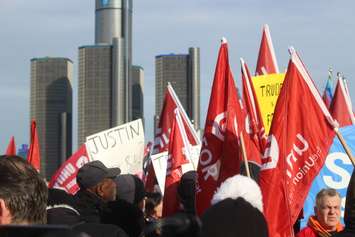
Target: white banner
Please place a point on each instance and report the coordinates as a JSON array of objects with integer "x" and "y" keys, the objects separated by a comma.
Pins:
[
  {"x": 122, "y": 146},
  {"x": 160, "y": 162}
]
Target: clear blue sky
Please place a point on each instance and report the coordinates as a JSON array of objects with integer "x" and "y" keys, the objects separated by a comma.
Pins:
[{"x": 321, "y": 30}]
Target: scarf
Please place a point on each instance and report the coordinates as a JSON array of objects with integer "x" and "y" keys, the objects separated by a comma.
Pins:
[{"x": 319, "y": 229}]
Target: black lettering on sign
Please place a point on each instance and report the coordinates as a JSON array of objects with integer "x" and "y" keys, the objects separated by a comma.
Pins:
[
  {"x": 269, "y": 118},
  {"x": 134, "y": 130},
  {"x": 109, "y": 134},
  {"x": 271, "y": 89},
  {"x": 96, "y": 149}
]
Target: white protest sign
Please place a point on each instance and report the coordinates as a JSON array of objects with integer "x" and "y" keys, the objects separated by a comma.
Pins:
[
  {"x": 122, "y": 146},
  {"x": 160, "y": 162}
]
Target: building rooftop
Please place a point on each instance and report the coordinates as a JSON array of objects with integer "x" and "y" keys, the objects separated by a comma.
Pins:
[
  {"x": 51, "y": 58},
  {"x": 170, "y": 55}
]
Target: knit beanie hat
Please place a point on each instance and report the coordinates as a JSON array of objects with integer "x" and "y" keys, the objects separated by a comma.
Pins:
[
  {"x": 236, "y": 210},
  {"x": 130, "y": 188}
]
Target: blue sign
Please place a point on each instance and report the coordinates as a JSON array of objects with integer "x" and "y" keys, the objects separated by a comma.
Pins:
[{"x": 336, "y": 173}]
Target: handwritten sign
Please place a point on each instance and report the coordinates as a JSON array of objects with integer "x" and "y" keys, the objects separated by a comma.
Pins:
[
  {"x": 122, "y": 146},
  {"x": 267, "y": 89}
]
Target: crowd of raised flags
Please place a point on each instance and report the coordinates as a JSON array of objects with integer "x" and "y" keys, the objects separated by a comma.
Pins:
[{"x": 289, "y": 157}]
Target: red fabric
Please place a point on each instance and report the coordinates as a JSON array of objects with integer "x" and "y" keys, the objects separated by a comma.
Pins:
[
  {"x": 338, "y": 107},
  {"x": 266, "y": 62},
  {"x": 11, "y": 148},
  {"x": 220, "y": 155},
  {"x": 300, "y": 138},
  {"x": 257, "y": 130},
  {"x": 173, "y": 171},
  {"x": 161, "y": 140},
  {"x": 33, "y": 156},
  {"x": 65, "y": 176},
  {"x": 307, "y": 232}
]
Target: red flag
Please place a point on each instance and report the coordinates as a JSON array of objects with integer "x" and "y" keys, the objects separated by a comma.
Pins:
[
  {"x": 65, "y": 176},
  {"x": 176, "y": 158},
  {"x": 220, "y": 156},
  {"x": 341, "y": 108},
  {"x": 267, "y": 63},
  {"x": 161, "y": 140},
  {"x": 11, "y": 148},
  {"x": 256, "y": 125},
  {"x": 300, "y": 137},
  {"x": 33, "y": 155}
]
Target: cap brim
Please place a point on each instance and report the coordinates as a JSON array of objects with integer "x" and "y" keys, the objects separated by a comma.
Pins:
[{"x": 113, "y": 172}]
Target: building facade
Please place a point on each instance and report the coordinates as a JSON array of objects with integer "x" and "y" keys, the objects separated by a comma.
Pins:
[
  {"x": 137, "y": 92},
  {"x": 112, "y": 76},
  {"x": 183, "y": 73},
  {"x": 51, "y": 107}
]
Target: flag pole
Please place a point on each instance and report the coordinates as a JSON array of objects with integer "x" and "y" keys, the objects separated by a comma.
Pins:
[
  {"x": 345, "y": 146},
  {"x": 244, "y": 155}
]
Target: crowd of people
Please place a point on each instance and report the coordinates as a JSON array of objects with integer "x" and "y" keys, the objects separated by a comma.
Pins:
[{"x": 113, "y": 204}]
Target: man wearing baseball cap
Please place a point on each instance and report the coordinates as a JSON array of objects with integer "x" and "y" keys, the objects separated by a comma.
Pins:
[{"x": 96, "y": 188}]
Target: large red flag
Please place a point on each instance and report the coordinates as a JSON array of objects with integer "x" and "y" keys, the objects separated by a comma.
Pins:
[
  {"x": 220, "y": 155},
  {"x": 33, "y": 155},
  {"x": 300, "y": 137},
  {"x": 161, "y": 140},
  {"x": 11, "y": 148},
  {"x": 341, "y": 108},
  {"x": 256, "y": 125},
  {"x": 267, "y": 63},
  {"x": 176, "y": 158},
  {"x": 65, "y": 176}
]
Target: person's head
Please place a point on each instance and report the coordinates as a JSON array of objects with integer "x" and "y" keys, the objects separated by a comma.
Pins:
[
  {"x": 327, "y": 208},
  {"x": 23, "y": 193},
  {"x": 131, "y": 189},
  {"x": 186, "y": 191},
  {"x": 154, "y": 205},
  {"x": 96, "y": 178}
]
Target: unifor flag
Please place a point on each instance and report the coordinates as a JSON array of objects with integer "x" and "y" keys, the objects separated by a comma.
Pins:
[
  {"x": 267, "y": 63},
  {"x": 328, "y": 90},
  {"x": 300, "y": 137},
  {"x": 65, "y": 176},
  {"x": 178, "y": 154},
  {"x": 341, "y": 107},
  {"x": 254, "y": 121},
  {"x": 33, "y": 155},
  {"x": 161, "y": 139},
  {"x": 11, "y": 148},
  {"x": 220, "y": 154}
]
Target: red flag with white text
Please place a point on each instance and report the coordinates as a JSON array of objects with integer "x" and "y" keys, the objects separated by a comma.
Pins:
[
  {"x": 267, "y": 63},
  {"x": 65, "y": 176},
  {"x": 255, "y": 126},
  {"x": 176, "y": 158},
  {"x": 341, "y": 107},
  {"x": 301, "y": 134},
  {"x": 11, "y": 148},
  {"x": 33, "y": 155},
  {"x": 220, "y": 154},
  {"x": 161, "y": 140}
]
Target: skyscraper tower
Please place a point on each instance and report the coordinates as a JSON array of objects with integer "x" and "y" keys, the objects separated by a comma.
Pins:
[
  {"x": 51, "y": 107},
  {"x": 183, "y": 72},
  {"x": 109, "y": 82}
]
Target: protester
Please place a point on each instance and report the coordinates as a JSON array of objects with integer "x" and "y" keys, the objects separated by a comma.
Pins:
[
  {"x": 127, "y": 211},
  {"x": 349, "y": 215},
  {"x": 326, "y": 221},
  {"x": 186, "y": 192},
  {"x": 153, "y": 207},
  {"x": 237, "y": 210},
  {"x": 96, "y": 189},
  {"x": 153, "y": 211},
  {"x": 23, "y": 193}
]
